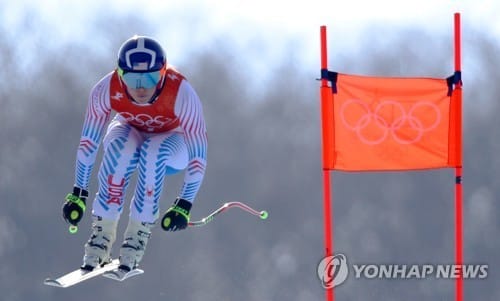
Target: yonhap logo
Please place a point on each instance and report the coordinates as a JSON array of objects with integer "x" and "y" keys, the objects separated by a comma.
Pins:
[{"x": 333, "y": 271}]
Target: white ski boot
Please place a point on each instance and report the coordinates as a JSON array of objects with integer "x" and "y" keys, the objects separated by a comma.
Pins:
[
  {"x": 135, "y": 240},
  {"x": 98, "y": 247}
]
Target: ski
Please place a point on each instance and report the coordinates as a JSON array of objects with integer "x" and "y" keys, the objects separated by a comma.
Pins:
[
  {"x": 119, "y": 275},
  {"x": 79, "y": 275}
]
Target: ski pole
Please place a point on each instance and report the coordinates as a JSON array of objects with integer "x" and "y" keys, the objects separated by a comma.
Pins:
[{"x": 262, "y": 214}]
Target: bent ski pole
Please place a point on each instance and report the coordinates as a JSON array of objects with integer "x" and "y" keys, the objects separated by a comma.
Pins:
[{"x": 262, "y": 214}]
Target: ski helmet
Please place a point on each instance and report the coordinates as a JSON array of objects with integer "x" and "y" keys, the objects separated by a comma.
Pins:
[{"x": 141, "y": 54}]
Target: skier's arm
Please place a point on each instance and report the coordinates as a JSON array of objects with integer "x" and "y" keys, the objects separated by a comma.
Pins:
[
  {"x": 96, "y": 118},
  {"x": 192, "y": 122}
]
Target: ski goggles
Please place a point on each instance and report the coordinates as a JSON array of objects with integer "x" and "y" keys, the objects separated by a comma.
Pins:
[{"x": 136, "y": 80}]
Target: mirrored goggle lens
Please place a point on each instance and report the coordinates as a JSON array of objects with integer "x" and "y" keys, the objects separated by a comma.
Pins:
[{"x": 144, "y": 80}]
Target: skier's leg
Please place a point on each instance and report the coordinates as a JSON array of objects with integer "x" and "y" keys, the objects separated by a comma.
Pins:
[
  {"x": 121, "y": 154},
  {"x": 160, "y": 154},
  {"x": 121, "y": 150}
]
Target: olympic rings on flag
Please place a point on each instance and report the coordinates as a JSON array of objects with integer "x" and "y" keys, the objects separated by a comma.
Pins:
[{"x": 389, "y": 125}]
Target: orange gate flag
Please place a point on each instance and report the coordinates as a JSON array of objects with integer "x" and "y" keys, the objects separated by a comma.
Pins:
[{"x": 390, "y": 123}]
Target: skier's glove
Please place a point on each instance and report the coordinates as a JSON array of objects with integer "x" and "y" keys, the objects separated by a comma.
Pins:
[
  {"x": 74, "y": 207},
  {"x": 177, "y": 216}
]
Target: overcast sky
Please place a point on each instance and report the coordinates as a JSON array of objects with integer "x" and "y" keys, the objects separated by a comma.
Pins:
[{"x": 242, "y": 21}]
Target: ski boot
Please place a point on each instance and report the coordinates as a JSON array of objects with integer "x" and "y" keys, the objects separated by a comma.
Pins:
[
  {"x": 135, "y": 240},
  {"x": 98, "y": 247}
]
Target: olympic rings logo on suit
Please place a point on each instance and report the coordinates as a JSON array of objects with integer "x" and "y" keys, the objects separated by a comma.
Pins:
[
  {"x": 147, "y": 121},
  {"x": 390, "y": 127}
]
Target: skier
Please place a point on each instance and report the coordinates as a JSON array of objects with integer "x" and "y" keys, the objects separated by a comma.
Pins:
[{"x": 158, "y": 130}]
